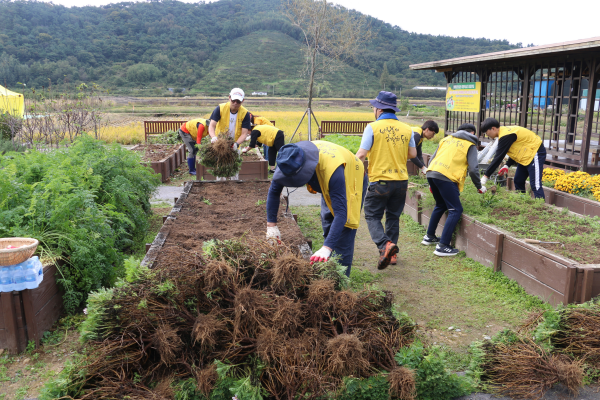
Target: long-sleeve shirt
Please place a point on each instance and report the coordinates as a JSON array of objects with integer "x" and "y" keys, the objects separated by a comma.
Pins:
[
  {"x": 473, "y": 168},
  {"x": 337, "y": 193},
  {"x": 418, "y": 160}
]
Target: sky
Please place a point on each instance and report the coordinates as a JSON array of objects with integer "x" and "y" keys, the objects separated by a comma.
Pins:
[{"x": 518, "y": 21}]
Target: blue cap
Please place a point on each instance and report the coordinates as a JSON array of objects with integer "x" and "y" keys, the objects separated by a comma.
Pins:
[
  {"x": 385, "y": 101},
  {"x": 296, "y": 163}
]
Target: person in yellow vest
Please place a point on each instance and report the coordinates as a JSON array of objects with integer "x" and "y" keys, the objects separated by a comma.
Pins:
[
  {"x": 524, "y": 148},
  {"x": 192, "y": 133},
  {"x": 455, "y": 156},
  {"x": 258, "y": 120},
  {"x": 389, "y": 144},
  {"x": 270, "y": 136},
  {"x": 427, "y": 131},
  {"x": 337, "y": 174}
]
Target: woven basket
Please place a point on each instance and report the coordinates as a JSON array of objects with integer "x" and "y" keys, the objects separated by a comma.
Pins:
[{"x": 16, "y": 256}]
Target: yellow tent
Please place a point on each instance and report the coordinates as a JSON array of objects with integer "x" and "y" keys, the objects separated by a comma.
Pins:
[{"x": 11, "y": 102}]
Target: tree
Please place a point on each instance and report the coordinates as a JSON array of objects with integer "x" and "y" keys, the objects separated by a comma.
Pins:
[
  {"x": 331, "y": 35},
  {"x": 384, "y": 79},
  {"x": 143, "y": 73}
]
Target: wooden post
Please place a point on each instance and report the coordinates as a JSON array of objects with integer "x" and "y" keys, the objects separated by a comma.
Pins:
[
  {"x": 569, "y": 291},
  {"x": 525, "y": 94},
  {"x": 589, "y": 114},
  {"x": 588, "y": 281},
  {"x": 31, "y": 323},
  {"x": 498, "y": 255},
  {"x": 10, "y": 322},
  {"x": 148, "y": 245}
]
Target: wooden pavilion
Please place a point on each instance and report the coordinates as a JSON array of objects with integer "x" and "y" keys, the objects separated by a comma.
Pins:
[{"x": 551, "y": 90}]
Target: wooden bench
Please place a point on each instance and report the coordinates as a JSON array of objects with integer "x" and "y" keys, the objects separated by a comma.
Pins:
[
  {"x": 342, "y": 128},
  {"x": 160, "y": 127}
]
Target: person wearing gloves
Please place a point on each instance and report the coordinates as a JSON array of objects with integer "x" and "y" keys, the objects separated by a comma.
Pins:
[
  {"x": 333, "y": 171},
  {"x": 427, "y": 131},
  {"x": 267, "y": 135},
  {"x": 389, "y": 144},
  {"x": 455, "y": 156},
  {"x": 524, "y": 148},
  {"x": 192, "y": 133}
]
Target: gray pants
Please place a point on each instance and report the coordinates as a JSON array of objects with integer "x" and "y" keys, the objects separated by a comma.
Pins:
[
  {"x": 385, "y": 197},
  {"x": 189, "y": 142}
]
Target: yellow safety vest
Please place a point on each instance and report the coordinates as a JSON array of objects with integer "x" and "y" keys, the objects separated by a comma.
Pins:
[
  {"x": 389, "y": 153},
  {"x": 192, "y": 127},
  {"x": 267, "y": 134},
  {"x": 420, "y": 132},
  {"x": 262, "y": 121},
  {"x": 331, "y": 156},
  {"x": 223, "y": 123},
  {"x": 524, "y": 149},
  {"x": 451, "y": 160}
]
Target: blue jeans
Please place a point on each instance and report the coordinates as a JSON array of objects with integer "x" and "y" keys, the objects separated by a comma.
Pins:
[
  {"x": 447, "y": 198},
  {"x": 266, "y": 151},
  {"x": 385, "y": 197},
  {"x": 345, "y": 245},
  {"x": 534, "y": 172}
]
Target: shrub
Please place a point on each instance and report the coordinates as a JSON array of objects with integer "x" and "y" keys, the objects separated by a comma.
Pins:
[{"x": 87, "y": 204}]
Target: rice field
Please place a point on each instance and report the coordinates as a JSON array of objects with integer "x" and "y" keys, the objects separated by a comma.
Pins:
[{"x": 131, "y": 130}]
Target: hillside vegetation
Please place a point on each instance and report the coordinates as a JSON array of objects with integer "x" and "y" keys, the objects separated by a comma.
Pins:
[{"x": 204, "y": 48}]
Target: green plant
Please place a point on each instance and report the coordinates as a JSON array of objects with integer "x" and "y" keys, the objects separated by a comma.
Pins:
[
  {"x": 219, "y": 156},
  {"x": 546, "y": 330},
  {"x": 372, "y": 388},
  {"x": 261, "y": 202},
  {"x": 87, "y": 204},
  {"x": 169, "y": 137},
  {"x": 68, "y": 383},
  {"x": 361, "y": 277},
  {"x": 134, "y": 271},
  {"x": 206, "y": 201},
  {"x": 92, "y": 328},
  {"x": 434, "y": 381},
  {"x": 30, "y": 347}
]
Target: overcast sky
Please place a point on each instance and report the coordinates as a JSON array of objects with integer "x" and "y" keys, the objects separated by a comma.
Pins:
[{"x": 524, "y": 21}]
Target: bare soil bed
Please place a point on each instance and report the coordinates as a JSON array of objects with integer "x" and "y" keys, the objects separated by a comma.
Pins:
[
  {"x": 156, "y": 152},
  {"x": 251, "y": 156},
  {"x": 224, "y": 210}
]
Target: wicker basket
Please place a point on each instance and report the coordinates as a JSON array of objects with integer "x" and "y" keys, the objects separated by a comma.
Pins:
[{"x": 16, "y": 256}]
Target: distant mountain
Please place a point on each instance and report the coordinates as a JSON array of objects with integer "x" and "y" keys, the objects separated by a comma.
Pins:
[{"x": 205, "y": 48}]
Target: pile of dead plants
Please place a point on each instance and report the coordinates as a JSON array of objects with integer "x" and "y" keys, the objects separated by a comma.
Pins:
[
  {"x": 250, "y": 320},
  {"x": 220, "y": 157},
  {"x": 560, "y": 346}
]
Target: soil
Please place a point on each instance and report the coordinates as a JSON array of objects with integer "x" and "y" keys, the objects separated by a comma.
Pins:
[
  {"x": 223, "y": 211},
  {"x": 156, "y": 152},
  {"x": 251, "y": 156},
  {"x": 585, "y": 253}
]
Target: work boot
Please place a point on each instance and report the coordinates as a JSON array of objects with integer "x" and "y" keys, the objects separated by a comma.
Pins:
[
  {"x": 386, "y": 255},
  {"x": 192, "y": 165},
  {"x": 394, "y": 260}
]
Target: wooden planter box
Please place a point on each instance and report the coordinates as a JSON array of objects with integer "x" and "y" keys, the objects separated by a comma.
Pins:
[
  {"x": 25, "y": 315},
  {"x": 576, "y": 204},
  {"x": 540, "y": 272},
  {"x": 153, "y": 250},
  {"x": 167, "y": 166},
  {"x": 251, "y": 170},
  {"x": 413, "y": 169}
]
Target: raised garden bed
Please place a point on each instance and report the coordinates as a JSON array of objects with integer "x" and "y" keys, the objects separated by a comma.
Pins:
[
  {"x": 26, "y": 314},
  {"x": 254, "y": 166},
  {"x": 162, "y": 158},
  {"x": 574, "y": 203},
  {"x": 539, "y": 269},
  {"x": 219, "y": 210}
]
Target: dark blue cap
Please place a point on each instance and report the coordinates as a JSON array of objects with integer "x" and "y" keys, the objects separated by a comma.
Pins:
[
  {"x": 296, "y": 163},
  {"x": 385, "y": 101}
]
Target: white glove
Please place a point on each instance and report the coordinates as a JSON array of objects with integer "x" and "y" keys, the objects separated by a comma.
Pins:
[
  {"x": 214, "y": 139},
  {"x": 484, "y": 180},
  {"x": 321, "y": 256},
  {"x": 424, "y": 170},
  {"x": 246, "y": 150},
  {"x": 482, "y": 190},
  {"x": 273, "y": 234},
  {"x": 503, "y": 171},
  {"x": 235, "y": 146}
]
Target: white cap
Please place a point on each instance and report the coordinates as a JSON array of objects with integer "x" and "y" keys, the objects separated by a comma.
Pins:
[{"x": 237, "y": 94}]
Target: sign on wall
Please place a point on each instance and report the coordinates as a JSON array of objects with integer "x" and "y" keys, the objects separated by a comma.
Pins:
[{"x": 464, "y": 96}]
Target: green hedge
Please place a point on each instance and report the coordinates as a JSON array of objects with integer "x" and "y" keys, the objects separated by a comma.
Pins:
[{"x": 87, "y": 204}]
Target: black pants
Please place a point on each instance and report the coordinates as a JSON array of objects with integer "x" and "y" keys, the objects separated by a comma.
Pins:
[
  {"x": 385, "y": 197},
  {"x": 277, "y": 144}
]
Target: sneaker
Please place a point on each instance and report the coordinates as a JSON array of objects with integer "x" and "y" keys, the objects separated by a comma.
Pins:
[
  {"x": 386, "y": 255},
  {"x": 429, "y": 240},
  {"x": 394, "y": 259},
  {"x": 445, "y": 251}
]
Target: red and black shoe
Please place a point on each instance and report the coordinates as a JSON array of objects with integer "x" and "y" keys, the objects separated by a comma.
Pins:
[{"x": 386, "y": 254}]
